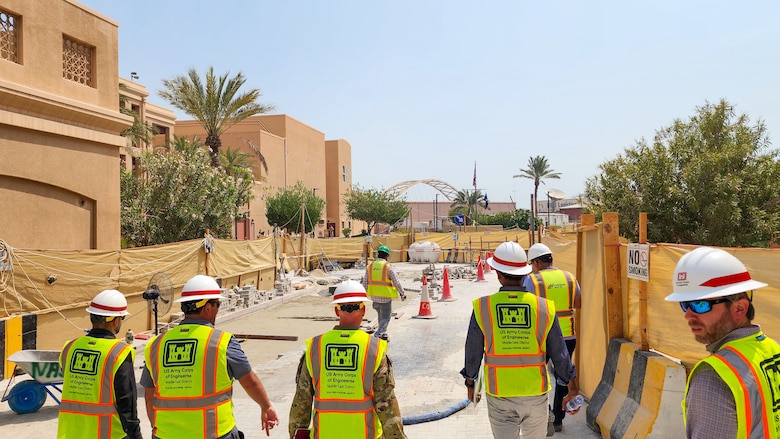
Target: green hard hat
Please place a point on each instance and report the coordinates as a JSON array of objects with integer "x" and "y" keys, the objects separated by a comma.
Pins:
[{"x": 384, "y": 248}]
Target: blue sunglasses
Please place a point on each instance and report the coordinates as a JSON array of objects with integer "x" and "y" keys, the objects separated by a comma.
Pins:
[{"x": 701, "y": 306}]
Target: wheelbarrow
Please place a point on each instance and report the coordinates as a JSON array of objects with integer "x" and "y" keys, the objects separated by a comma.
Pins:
[{"x": 28, "y": 396}]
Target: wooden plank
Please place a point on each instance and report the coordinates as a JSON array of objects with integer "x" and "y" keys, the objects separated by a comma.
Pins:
[
  {"x": 614, "y": 292},
  {"x": 266, "y": 337},
  {"x": 644, "y": 344}
]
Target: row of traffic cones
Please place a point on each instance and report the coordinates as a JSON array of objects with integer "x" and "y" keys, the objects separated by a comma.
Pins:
[
  {"x": 425, "y": 300},
  {"x": 480, "y": 270}
]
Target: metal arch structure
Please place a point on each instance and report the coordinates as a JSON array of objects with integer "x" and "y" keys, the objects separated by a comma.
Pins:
[{"x": 446, "y": 189}]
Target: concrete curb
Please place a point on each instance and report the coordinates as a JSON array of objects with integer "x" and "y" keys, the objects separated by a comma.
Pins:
[{"x": 639, "y": 394}]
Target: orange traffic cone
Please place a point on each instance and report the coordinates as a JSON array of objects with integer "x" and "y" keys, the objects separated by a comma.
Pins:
[
  {"x": 425, "y": 302},
  {"x": 445, "y": 291},
  {"x": 480, "y": 272}
]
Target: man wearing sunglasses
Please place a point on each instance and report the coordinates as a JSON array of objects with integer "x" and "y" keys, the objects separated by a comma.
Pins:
[
  {"x": 346, "y": 379},
  {"x": 730, "y": 393},
  {"x": 189, "y": 373}
]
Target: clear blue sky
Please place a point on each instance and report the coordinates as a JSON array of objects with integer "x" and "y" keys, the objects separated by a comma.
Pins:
[{"x": 422, "y": 90}]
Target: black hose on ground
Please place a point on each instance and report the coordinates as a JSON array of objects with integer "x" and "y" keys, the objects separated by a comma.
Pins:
[{"x": 435, "y": 416}]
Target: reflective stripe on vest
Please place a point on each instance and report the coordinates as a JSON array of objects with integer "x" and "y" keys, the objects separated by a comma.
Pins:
[
  {"x": 749, "y": 366},
  {"x": 329, "y": 410},
  {"x": 80, "y": 415},
  {"x": 204, "y": 408},
  {"x": 511, "y": 370},
  {"x": 560, "y": 287},
  {"x": 379, "y": 282}
]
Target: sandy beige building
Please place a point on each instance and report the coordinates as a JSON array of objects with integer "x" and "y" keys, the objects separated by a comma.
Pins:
[
  {"x": 293, "y": 152},
  {"x": 59, "y": 126}
]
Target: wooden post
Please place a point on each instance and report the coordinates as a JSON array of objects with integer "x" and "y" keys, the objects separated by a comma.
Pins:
[
  {"x": 586, "y": 220},
  {"x": 614, "y": 298},
  {"x": 643, "y": 288},
  {"x": 303, "y": 235}
]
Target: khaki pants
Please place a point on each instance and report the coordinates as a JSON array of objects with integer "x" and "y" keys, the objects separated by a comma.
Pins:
[{"x": 509, "y": 415}]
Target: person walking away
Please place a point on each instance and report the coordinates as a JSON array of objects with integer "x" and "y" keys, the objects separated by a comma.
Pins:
[
  {"x": 562, "y": 288},
  {"x": 514, "y": 331},
  {"x": 732, "y": 392},
  {"x": 189, "y": 373},
  {"x": 382, "y": 285},
  {"x": 345, "y": 386},
  {"x": 98, "y": 391}
]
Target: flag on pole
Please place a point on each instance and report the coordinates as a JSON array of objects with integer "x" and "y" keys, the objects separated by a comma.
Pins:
[
  {"x": 487, "y": 203},
  {"x": 475, "y": 176}
]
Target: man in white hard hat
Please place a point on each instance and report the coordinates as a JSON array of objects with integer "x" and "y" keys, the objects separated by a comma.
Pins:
[
  {"x": 733, "y": 392},
  {"x": 189, "y": 373},
  {"x": 515, "y": 331},
  {"x": 98, "y": 393},
  {"x": 561, "y": 287},
  {"x": 346, "y": 379}
]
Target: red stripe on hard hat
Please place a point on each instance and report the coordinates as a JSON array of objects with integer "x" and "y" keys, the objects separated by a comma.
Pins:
[
  {"x": 727, "y": 280},
  {"x": 199, "y": 293},
  {"x": 107, "y": 308},
  {"x": 511, "y": 264},
  {"x": 355, "y": 294}
]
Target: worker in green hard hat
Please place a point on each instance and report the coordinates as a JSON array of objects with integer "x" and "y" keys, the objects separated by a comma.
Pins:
[{"x": 382, "y": 286}]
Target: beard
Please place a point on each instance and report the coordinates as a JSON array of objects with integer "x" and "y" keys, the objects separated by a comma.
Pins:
[{"x": 715, "y": 332}]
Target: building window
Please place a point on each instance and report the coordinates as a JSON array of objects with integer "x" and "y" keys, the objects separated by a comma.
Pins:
[
  {"x": 9, "y": 36},
  {"x": 78, "y": 62}
]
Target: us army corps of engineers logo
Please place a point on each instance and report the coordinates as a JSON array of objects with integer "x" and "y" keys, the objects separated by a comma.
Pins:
[
  {"x": 515, "y": 315},
  {"x": 341, "y": 357},
  {"x": 179, "y": 353},
  {"x": 771, "y": 369},
  {"x": 85, "y": 362}
]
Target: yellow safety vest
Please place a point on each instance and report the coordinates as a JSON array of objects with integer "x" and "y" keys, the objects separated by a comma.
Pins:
[
  {"x": 750, "y": 366},
  {"x": 379, "y": 283},
  {"x": 88, "y": 407},
  {"x": 560, "y": 287},
  {"x": 515, "y": 325},
  {"x": 342, "y": 364},
  {"x": 193, "y": 391}
]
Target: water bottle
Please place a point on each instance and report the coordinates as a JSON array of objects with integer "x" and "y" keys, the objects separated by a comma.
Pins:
[
  {"x": 575, "y": 403},
  {"x": 129, "y": 337}
]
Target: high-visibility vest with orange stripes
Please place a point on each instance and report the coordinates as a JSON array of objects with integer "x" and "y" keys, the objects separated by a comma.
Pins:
[
  {"x": 750, "y": 366},
  {"x": 342, "y": 364},
  {"x": 193, "y": 391},
  {"x": 88, "y": 406},
  {"x": 379, "y": 283},
  {"x": 560, "y": 287},
  {"x": 515, "y": 325}
]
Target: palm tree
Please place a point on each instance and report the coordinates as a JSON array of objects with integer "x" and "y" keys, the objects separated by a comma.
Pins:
[
  {"x": 538, "y": 169},
  {"x": 469, "y": 199},
  {"x": 217, "y": 104},
  {"x": 183, "y": 145},
  {"x": 233, "y": 161}
]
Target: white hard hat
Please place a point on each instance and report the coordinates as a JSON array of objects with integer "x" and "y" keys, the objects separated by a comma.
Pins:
[
  {"x": 349, "y": 291},
  {"x": 109, "y": 303},
  {"x": 200, "y": 287},
  {"x": 510, "y": 258},
  {"x": 707, "y": 273},
  {"x": 537, "y": 250}
]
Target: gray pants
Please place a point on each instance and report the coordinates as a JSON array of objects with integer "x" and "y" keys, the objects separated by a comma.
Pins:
[
  {"x": 384, "y": 311},
  {"x": 509, "y": 415}
]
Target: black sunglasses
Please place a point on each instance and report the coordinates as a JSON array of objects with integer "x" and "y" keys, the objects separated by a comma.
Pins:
[
  {"x": 214, "y": 302},
  {"x": 701, "y": 306},
  {"x": 350, "y": 307}
]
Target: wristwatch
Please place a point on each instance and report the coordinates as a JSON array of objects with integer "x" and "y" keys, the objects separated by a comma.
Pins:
[{"x": 469, "y": 382}]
